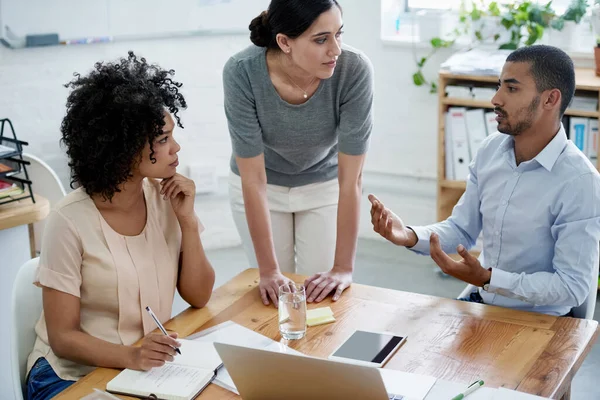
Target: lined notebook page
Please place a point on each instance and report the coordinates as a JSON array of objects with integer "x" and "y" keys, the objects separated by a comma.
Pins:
[
  {"x": 170, "y": 382},
  {"x": 178, "y": 380}
]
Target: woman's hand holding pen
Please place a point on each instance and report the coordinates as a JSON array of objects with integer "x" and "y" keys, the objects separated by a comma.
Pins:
[{"x": 156, "y": 349}]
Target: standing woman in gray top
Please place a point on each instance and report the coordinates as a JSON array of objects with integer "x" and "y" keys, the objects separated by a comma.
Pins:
[{"x": 299, "y": 110}]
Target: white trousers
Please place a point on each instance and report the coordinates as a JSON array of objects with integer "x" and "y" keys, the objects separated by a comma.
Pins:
[{"x": 303, "y": 223}]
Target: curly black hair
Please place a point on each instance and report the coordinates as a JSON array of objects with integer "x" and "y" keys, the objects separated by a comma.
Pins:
[{"x": 111, "y": 114}]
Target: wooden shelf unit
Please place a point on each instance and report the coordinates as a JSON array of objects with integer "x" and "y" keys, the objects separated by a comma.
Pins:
[{"x": 450, "y": 191}]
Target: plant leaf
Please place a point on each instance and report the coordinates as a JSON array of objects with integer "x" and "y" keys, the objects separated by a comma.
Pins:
[
  {"x": 433, "y": 89},
  {"x": 418, "y": 78},
  {"x": 509, "y": 46},
  {"x": 422, "y": 62},
  {"x": 436, "y": 42},
  {"x": 493, "y": 9}
]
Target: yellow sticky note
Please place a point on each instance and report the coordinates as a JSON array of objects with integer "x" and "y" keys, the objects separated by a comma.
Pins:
[
  {"x": 320, "y": 320},
  {"x": 319, "y": 312}
]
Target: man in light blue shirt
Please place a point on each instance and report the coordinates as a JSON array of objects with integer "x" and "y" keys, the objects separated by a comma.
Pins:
[{"x": 534, "y": 194}]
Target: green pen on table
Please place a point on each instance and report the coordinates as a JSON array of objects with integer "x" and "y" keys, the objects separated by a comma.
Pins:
[{"x": 470, "y": 389}]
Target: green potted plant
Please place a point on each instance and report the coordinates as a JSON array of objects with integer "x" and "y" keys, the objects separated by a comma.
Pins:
[
  {"x": 521, "y": 23},
  {"x": 563, "y": 32},
  {"x": 526, "y": 22}
]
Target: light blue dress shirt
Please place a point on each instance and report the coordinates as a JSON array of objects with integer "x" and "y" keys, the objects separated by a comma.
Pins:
[{"x": 540, "y": 222}]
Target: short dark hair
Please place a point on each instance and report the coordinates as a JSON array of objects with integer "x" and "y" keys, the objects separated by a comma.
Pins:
[
  {"x": 111, "y": 114},
  {"x": 551, "y": 68},
  {"x": 290, "y": 17}
]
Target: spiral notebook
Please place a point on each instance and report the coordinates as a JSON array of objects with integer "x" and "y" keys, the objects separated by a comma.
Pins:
[{"x": 183, "y": 379}]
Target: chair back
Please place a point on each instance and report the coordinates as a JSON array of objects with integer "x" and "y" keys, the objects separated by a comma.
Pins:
[{"x": 26, "y": 309}]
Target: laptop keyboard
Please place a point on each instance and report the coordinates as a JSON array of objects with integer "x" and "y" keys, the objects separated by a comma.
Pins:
[{"x": 395, "y": 396}]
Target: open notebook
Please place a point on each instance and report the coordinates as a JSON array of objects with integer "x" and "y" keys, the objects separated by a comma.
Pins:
[{"x": 182, "y": 379}]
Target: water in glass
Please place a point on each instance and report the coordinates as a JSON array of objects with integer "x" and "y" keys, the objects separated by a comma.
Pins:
[{"x": 292, "y": 311}]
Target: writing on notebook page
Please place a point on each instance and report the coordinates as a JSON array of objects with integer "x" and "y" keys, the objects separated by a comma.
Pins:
[
  {"x": 182, "y": 379},
  {"x": 169, "y": 378}
]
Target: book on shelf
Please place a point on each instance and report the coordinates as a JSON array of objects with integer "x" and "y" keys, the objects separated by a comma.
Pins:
[
  {"x": 456, "y": 134},
  {"x": 579, "y": 132},
  {"x": 491, "y": 124},
  {"x": 476, "y": 129},
  {"x": 592, "y": 147}
]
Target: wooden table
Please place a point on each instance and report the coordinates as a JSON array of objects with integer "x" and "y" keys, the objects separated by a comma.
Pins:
[
  {"x": 24, "y": 212},
  {"x": 447, "y": 339}
]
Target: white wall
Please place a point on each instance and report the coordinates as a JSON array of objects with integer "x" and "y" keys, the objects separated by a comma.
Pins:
[
  {"x": 404, "y": 139},
  {"x": 400, "y": 167}
]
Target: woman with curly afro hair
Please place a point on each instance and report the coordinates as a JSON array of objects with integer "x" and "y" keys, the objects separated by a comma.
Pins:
[{"x": 125, "y": 238}]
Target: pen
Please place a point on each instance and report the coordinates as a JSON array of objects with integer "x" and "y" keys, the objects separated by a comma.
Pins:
[
  {"x": 470, "y": 389},
  {"x": 160, "y": 325}
]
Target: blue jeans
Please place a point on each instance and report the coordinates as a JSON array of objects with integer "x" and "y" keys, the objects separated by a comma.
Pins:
[{"x": 43, "y": 383}]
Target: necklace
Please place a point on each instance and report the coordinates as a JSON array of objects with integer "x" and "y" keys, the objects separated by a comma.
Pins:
[{"x": 305, "y": 94}]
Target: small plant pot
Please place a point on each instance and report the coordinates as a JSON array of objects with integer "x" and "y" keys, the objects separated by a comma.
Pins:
[{"x": 435, "y": 23}]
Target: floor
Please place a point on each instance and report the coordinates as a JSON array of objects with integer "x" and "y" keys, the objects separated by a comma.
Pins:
[{"x": 383, "y": 265}]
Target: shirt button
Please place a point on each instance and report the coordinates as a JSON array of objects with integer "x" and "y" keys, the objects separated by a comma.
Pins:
[
  {"x": 497, "y": 233},
  {"x": 504, "y": 202},
  {"x": 515, "y": 173}
]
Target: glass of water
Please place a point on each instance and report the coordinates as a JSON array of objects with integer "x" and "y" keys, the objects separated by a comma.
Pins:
[{"x": 292, "y": 311}]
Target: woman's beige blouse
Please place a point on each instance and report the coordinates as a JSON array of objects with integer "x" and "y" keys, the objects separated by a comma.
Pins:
[{"x": 114, "y": 276}]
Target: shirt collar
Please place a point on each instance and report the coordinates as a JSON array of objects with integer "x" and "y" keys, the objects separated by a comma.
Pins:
[{"x": 549, "y": 154}]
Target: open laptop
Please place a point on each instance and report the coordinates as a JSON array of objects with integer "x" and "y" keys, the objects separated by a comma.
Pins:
[{"x": 267, "y": 375}]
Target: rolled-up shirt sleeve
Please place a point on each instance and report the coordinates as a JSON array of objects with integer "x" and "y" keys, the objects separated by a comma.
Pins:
[
  {"x": 576, "y": 232},
  {"x": 61, "y": 256}
]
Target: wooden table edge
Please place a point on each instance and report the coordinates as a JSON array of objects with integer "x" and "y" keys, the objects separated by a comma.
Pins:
[
  {"x": 565, "y": 384},
  {"x": 31, "y": 212}
]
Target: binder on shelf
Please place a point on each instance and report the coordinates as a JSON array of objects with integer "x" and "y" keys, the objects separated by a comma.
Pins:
[
  {"x": 483, "y": 93},
  {"x": 578, "y": 131},
  {"x": 476, "y": 130},
  {"x": 490, "y": 122},
  {"x": 448, "y": 149},
  {"x": 459, "y": 92},
  {"x": 14, "y": 177},
  {"x": 460, "y": 142},
  {"x": 592, "y": 145}
]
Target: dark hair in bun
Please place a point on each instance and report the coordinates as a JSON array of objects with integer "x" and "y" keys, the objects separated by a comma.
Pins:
[
  {"x": 290, "y": 17},
  {"x": 260, "y": 30}
]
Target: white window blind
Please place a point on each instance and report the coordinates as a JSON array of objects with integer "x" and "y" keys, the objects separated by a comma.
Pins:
[{"x": 558, "y": 5}]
